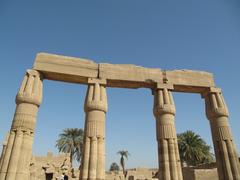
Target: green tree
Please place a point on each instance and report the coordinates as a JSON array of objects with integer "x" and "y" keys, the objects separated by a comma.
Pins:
[
  {"x": 193, "y": 149},
  {"x": 124, "y": 154},
  {"x": 71, "y": 141},
  {"x": 114, "y": 167}
]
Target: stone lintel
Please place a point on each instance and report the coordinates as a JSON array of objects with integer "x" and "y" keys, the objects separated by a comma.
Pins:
[
  {"x": 77, "y": 70},
  {"x": 129, "y": 75},
  {"x": 67, "y": 69}
]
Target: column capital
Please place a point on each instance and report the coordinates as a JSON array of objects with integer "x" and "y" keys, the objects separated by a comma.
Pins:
[
  {"x": 96, "y": 98},
  {"x": 214, "y": 103},
  {"x": 163, "y": 102},
  {"x": 31, "y": 88}
]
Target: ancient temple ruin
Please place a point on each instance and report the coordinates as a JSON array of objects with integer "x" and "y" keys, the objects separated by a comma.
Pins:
[{"x": 15, "y": 161}]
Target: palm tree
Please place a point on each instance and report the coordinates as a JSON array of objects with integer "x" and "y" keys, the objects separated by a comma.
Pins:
[
  {"x": 193, "y": 149},
  {"x": 71, "y": 141},
  {"x": 124, "y": 154}
]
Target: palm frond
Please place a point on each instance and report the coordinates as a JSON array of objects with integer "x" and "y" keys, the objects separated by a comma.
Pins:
[{"x": 71, "y": 141}]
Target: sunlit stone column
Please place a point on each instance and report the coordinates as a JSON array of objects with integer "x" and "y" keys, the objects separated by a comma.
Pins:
[
  {"x": 168, "y": 154},
  {"x": 224, "y": 146},
  {"x": 4, "y": 149},
  {"x": 16, "y": 160},
  {"x": 93, "y": 165}
]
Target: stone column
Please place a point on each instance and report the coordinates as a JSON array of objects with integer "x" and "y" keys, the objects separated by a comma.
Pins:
[
  {"x": 224, "y": 146},
  {"x": 4, "y": 149},
  {"x": 168, "y": 154},
  {"x": 16, "y": 160},
  {"x": 93, "y": 164}
]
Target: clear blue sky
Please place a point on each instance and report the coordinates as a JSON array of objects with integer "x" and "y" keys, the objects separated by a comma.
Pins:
[{"x": 187, "y": 34}]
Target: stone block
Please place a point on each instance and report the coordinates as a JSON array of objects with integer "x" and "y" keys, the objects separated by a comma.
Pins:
[
  {"x": 78, "y": 70},
  {"x": 129, "y": 76},
  {"x": 63, "y": 68},
  {"x": 190, "y": 81}
]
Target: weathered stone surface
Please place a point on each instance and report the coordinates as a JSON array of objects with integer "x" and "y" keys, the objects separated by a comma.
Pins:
[
  {"x": 4, "y": 145},
  {"x": 77, "y": 70},
  {"x": 16, "y": 156},
  {"x": 196, "y": 173},
  {"x": 63, "y": 68},
  {"x": 189, "y": 81},
  {"x": 93, "y": 164},
  {"x": 19, "y": 146},
  {"x": 51, "y": 167},
  {"x": 129, "y": 76},
  {"x": 224, "y": 145},
  {"x": 168, "y": 153}
]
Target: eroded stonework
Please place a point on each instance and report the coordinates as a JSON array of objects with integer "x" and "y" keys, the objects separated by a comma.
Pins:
[
  {"x": 51, "y": 167},
  {"x": 16, "y": 157}
]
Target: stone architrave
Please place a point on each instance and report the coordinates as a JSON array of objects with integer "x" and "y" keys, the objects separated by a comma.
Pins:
[
  {"x": 224, "y": 146},
  {"x": 168, "y": 154},
  {"x": 93, "y": 161},
  {"x": 18, "y": 153}
]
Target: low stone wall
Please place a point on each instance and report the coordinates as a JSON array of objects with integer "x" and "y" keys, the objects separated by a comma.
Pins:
[
  {"x": 206, "y": 174},
  {"x": 133, "y": 174},
  {"x": 193, "y": 173},
  {"x": 52, "y": 167}
]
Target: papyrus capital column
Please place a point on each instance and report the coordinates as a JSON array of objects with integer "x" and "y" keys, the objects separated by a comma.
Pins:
[
  {"x": 224, "y": 146},
  {"x": 16, "y": 160},
  {"x": 93, "y": 164},
  {"x": 168, "y": 154}
]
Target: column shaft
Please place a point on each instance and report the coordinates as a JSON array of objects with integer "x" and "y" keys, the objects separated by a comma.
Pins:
[
  {"x": 224, "y": 146},
  {"x": 93, "y": 159},
  {"x": 85, "y": 160},
  {"x": 24, "y": 160},
  {"x": 165, "y": 162},
  {"x": 16, "y": 160},
  {"x": 164, "y": 111},
  {"x": 101, "y": 159},
  {"x": 179, "y": 168},
  {"x": 6, "y": 157},
  {"x": 172, "y": 159},
  {"x": 15, "y": 155}
]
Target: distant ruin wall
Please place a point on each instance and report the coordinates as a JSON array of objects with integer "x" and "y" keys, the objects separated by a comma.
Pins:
[{"x": 190, "y": 173}]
